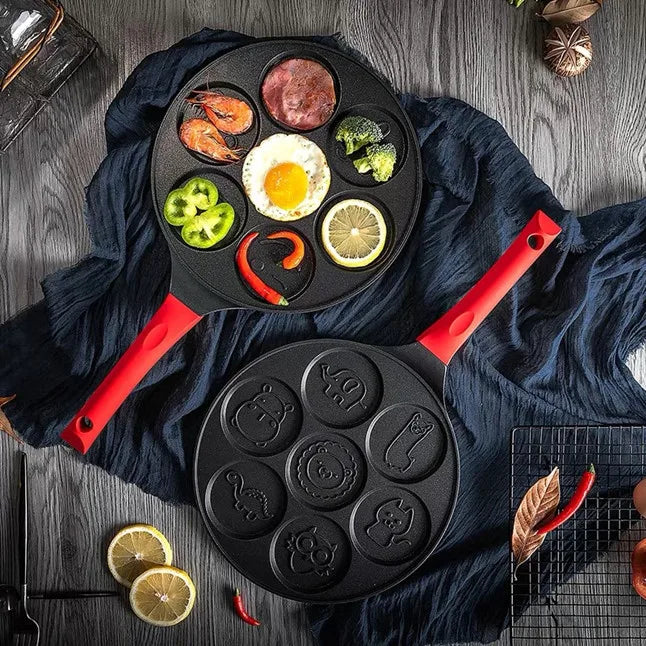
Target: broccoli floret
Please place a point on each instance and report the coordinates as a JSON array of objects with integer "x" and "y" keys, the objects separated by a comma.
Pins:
[
  {"x": 380, "y": 159},
  {"x": 356, "y": 132}
]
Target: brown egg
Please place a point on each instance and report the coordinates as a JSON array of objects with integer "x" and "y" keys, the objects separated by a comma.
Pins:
[{"x": 639, "y": 497}]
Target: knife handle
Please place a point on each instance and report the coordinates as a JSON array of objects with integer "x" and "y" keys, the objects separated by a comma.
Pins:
[
  {"x": 73, "y": 594},
  {"x": 23, "y": 525}
]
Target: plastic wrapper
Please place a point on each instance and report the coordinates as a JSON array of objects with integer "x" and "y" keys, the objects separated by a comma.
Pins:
[{"x": 22, "y": 23}]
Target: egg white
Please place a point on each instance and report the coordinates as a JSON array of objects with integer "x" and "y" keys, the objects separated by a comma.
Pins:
[{"x": 278, "y": 149}]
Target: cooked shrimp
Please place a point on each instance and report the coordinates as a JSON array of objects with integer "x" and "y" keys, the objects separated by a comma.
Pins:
[
  {"x": 228, "y": 114},
  {"x": 203, "y": 137},
  {"x": 217, "y": 135}
]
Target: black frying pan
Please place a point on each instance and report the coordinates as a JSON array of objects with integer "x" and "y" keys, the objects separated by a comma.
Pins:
[
  {"x": 327, "y": 471},
  {"x": 204, "y": 281}
]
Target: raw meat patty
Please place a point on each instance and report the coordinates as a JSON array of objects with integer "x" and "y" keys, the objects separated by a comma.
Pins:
[{"x": 299, "y": 93}]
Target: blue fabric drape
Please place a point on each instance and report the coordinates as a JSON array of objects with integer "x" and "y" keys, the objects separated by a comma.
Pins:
[{"x": 552, "y": 352}]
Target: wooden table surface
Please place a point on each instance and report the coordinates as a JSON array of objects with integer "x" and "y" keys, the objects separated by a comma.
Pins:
[{"x": 584, "y": 137}]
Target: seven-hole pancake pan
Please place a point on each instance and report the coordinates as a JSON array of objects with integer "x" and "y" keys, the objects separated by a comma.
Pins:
[
  {"x": 358, "y": 92},
  {"x": 204, "y": 280},
  {"x": 326, "y": 470}
]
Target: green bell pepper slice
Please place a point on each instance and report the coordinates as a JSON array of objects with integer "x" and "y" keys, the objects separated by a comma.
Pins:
[
  {"x": 207, "y": 229},
  {"x": 178, "y": 209},
  {"x": 201, "y": 192}
]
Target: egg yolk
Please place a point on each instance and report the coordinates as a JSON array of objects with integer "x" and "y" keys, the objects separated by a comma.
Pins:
[{"x": 286, "y": 185}]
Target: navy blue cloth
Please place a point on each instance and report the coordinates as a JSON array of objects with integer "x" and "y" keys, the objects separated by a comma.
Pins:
[{"x": 552, "y": 352}]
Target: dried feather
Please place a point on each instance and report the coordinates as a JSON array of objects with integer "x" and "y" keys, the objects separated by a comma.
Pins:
[
  {"x": 538, "y": 504},
  {"x": 5, "y": 424},
  {"x": 563, "y": 12}
]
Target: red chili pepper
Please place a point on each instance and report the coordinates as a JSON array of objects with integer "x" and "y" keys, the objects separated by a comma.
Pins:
[
  {"x": 240, "y": 610},
  {"x": 579, "y": 495},
  {"x": 296, "y": 257},
  {"x": 254, "y": 281}
]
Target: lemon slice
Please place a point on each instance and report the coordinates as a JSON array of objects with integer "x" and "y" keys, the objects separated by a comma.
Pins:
[
  {"x": 162, "y": 596},
  {"x": 137, "y": 548},
  {"x": 354, "y": 233}
]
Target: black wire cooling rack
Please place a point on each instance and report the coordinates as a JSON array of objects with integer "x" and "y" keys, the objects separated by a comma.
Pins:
[{"x": 597, "y": 606}]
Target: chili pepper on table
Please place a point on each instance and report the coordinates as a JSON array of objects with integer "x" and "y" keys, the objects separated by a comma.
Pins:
[
  {"x": 295, "y": 258},
  {"x": 252, "y": 279},
  {"x": 579, "y": 495},
  {"x": 240, "y": 610}
]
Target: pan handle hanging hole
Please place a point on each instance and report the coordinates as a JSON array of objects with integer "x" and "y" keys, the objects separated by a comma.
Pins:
[
  {"x": 536, "y": 241},
  {"x": 85, "y": 424}
]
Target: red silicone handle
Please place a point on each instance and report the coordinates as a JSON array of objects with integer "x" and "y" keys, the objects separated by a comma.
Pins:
[
  {"x": 451, "y": 330},
  {"x": 170, "y": 323}
]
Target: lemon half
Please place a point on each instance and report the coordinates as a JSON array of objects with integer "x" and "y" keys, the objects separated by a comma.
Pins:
[
  {"x": 162, "y": 596},
  {"x": 354, "y": 233},
  {"x": 137, "y": 548}
]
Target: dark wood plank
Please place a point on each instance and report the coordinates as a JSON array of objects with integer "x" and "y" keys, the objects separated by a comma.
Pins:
[
  {"x": 75, "y": 510},
  {"x": 584, "y": 137}
]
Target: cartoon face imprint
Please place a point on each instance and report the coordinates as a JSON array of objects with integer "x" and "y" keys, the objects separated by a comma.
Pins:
[
  {"x": 259, "y": 419},
  {"x": 250, "y": 501},
  {"x": 406, "y": 442},
  {"x": 244, "y": 499},
  {"x": 393, "y": 521},
  {"x": 326, "y": 471},
  {"x": 343, "y": 387},
  {"x": 311, "y": 552},
  {"x": 330, "y": 471},
  {"x": 399, "y": 455}
]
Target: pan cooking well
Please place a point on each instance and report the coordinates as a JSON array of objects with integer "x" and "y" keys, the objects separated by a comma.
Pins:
[
  {"x": 327, "y": 471},
  {"x": 206, "y": 280}
]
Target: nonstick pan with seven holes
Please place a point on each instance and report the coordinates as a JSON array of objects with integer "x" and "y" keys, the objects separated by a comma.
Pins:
[
  {"x": 206, "y": 280},
  {"x": 327, "y": 471}
]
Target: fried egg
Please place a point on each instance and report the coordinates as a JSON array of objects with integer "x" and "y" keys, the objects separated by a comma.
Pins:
[{"x": 286, "y": 177}]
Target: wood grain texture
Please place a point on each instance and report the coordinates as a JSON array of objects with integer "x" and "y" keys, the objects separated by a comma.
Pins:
[
  {"x": 75, "y": 510},
  {"x": 584, "y": 136}
]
